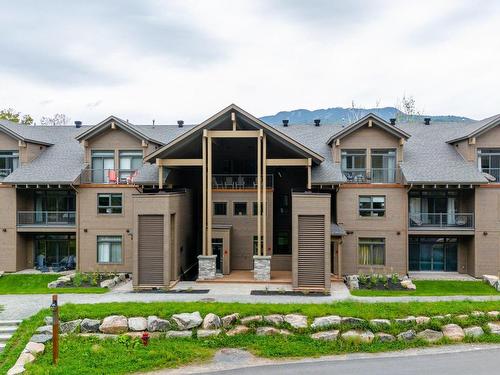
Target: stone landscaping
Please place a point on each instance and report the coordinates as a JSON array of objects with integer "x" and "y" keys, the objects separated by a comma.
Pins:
[
  {"x": 82, "y": 280},
  {"x": 428, "y": 329},
  {"x": 379, "y": 282},
  {"x": 493, "y": 281}
]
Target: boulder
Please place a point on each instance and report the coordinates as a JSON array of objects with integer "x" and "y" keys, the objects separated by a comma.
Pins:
[
  {"x": 384, "y": 337},
  {"x": 326, "y": 335},
  {"x": 70, "y": 327},
  {"x": 477, "y": 314},
  {"x": 493, "y": 314},
  {"x": 55, "y": 284},
  {"x": 156, "y": 324},
  {"x": 186, "y": 321},
  {"x": 351, "y": 320},
  {"x": 490, "y": 279},
  {"x": 274, "y": 319},
  {"x": 34, "y": 348},
  {"x": 137, "y": 324},
  {"x": 139, "y": 334},
  {"x": 430, "y": 335},
  {"x": 17, "y": 369},
  {"x": 453, "y": 332},
  {"x": 352, "y": 282},
  {"x": 494, "y": 328},
  {"x": 238, "y": 330},
  {"x": 41, "y": 338},
  {"x": 208, "y": 332},
  {"x": 251, "y": 319},
  {"x": 267, "y": 331},
  {"x": 211, "y": 321},
  {"x": 497, "y": 286},
  {"x": 462, "y": 317},
  {"x": 438, "y": 317},
  {"x": 380, "y": 322},
  {"x": 408, "y": 319},
  {"x": 24, "y": 357},
  {"x": 230, "y": 319},
  {"x": 44, "y": 329},
  {"x": 326, "y": 321},
  {"x": 114, "y": 324},
  {"x": 407, "y": 335},
  {"x": 48, "y": 320},
  {"x": 109, "y": 283},
  {"x": 296, "y": 321},
  {"x": 408, "y": 284},
  {"x": 100, "y": 336},
  {"x": 358, "y": 336},
  {"x": 122, "y": 276},
  {"x": 90, "y": 325},
  {"x": 474, "y": 331},
  {"x": 422, "y": 319},
  {"x": 176, "y": 334}
]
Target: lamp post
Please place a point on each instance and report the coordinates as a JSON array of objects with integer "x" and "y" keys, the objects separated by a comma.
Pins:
[{"x": 55, "y": 329}]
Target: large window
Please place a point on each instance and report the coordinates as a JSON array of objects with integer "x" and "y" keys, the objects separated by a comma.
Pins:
[
  {"x": 371, "y": 251},
  {"x": 109, "y": 203},
  {"x": 220, "y": 208},
  {"x": 130, "y": 161},
  {"x": 109, "y": 249},
  {"x": 103, "y": 167},
  {"x": 488, "y": 160},
  {"x": 240, "y": 208},
  {"x": 55, "y": 251},
  {"x": 354, "y": 165},
  {"x": 254, "y": 208},
  {"x": 433, "y": 253},
  {"x": 9, "y": 161},
  {"x": 372, "y": 206},
  {"x": 383, "y": 166}
]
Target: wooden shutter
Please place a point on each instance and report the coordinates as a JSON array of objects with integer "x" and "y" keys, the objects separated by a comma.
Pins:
[
  {"x": 311, "y": 251},
  {"x": 150, "y": 254}
]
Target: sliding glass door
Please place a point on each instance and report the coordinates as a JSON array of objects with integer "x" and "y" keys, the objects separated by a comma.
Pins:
[{"x": 433, "y": 254}]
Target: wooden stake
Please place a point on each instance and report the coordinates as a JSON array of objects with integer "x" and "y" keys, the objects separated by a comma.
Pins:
[{"x": 55, "y": 329}]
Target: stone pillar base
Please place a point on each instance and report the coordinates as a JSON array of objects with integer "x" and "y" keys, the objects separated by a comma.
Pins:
[
  {"x": 262, "y": 267},
  {"x": 206, "y": 267}
]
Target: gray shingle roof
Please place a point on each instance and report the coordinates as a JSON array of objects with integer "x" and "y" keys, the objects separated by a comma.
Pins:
[
  {"x": 33, "y": 134},
  {"x": 475, "y": 128}
]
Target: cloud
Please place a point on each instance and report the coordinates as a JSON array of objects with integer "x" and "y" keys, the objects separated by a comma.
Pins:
[{"x": 94, "y": 104}]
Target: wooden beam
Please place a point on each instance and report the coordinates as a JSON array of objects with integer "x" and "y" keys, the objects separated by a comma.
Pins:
[
  {"x": 181, "y": 162},
  {"x": 472, "y": 141},
  {"x": 309, "y": 179},
  {"x": 259, "y": 183},
  {"x": 370, "y": 123},
  {"x": 233, "y": 133},
  {"x": 160, "y": 177},
  {"x": 264, "y": 195},
  {"x": 288, "y": 162},
  {"x": 209, "y": 196},
  {"x": 233, "y": 120},
  {"x": 204, "y": 193},
  {"x": 337, "y": 142}
]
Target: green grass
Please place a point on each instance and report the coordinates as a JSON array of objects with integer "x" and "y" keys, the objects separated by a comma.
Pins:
[
  {"x": 434, "y": 288},
  {"x": 91, "y": 356},
  {"x": 37, "y": 284}
]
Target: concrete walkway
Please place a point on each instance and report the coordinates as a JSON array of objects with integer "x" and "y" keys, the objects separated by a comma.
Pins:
[{"x": 22, "y": 306}]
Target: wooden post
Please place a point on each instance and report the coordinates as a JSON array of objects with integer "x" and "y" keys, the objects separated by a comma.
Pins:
[
  {"x": 55, "y": 329},
  {"x": 264, "y": 194},
  {"x": 209, "y": 195},
  {"x": 160, "y": 173},
  {"x": 259, "y": 184},
  {"x": 309, "y": 165},
  {"x": 204, "y": 193}
]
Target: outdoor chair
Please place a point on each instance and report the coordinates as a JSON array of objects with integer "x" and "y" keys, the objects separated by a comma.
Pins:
[
  {"x": 215, "y": 183},
  {"x": 229, "y": 183},
  {"x": 240, "y": 183}
]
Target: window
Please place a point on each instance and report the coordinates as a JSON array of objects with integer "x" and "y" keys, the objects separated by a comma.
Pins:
[
  {"x": 371, "y": 251},
  {"x": 383, "y": 166},
  {"x": 255, "y": 244},
  {"x": 9, "y": 161},
  {"x": 240, "y": 208},
  {"x": 283, "y": 243},
  {"x": 354, "y": 165},
  {"x": 254, "y": 208},
  {"x": 220, "y": 208},
  {"x": 103, "y": 166},
  {"x": 109, "y": 203},
  {"x": 109, "y": 249},
  {"x": 371, "y": 206},
  {"x": 283, "y": 204},
  {"x": 488, "y": 161},
  {"x": 130, "y": 161}
]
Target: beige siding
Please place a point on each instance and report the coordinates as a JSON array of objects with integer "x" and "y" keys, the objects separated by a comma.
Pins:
[
  {"x": 30, "y": 152},
  {"x": 8, "y": 237},
  {"x": 8, "y": 143}
]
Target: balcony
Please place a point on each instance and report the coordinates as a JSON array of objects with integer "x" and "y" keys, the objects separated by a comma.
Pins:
[
  {"x": 495, "y": 172},
  {"x": 375, "y": 175},
  {"x": 108, "y": 176},
  {"x": 4, "y": 173},
  {"x": 239, "y": 181},
  {"x": 46, "y": 218},
  {"x": 441, "y": 221}
]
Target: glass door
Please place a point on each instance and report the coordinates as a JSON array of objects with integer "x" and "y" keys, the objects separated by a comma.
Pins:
[
  {"x": 217, "y": 250},
  {"x": 103, "y": 165}
]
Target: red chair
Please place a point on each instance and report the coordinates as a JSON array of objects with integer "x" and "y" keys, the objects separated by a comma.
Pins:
[{"x": 112, "y": 177}]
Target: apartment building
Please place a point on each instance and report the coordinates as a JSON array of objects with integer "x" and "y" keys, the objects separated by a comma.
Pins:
[{"x": 234, "y": 195}]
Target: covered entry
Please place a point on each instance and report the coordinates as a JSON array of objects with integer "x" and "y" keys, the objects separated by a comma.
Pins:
[
  {"x": 150, "y": 250},
  {"x": 433, "y": 254}
]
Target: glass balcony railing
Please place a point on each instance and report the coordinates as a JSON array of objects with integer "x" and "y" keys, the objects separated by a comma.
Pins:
[
  {"x": 375, "y": 175},
  {"x": 108, "y": 176},
  {"x": 4, "y": 173},
  {"x": 239, "y": 181},
  {"x": 441, "y": 220},
  {"x": 495, "y": 172},
  {"x": 46, "y": 218}
]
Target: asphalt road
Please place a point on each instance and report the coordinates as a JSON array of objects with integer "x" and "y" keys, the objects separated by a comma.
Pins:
[{"x": 476, "y": 362}]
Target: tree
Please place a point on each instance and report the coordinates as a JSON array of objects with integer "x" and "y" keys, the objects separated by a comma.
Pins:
[
  {"x": 12, "y": 115},
  {"x": 407, "y": 109},
  {"x": 57, "y": 119}
]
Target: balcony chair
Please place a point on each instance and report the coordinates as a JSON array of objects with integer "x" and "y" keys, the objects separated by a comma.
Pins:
[
  {"x": 40, "y": 263},
  {"x": 229, "y": 183},
  {"x": 66, "y": 263},
  {"x": 240, "y": 182},
  {"x": 112, "y": 177},
  {"x": 461, "y": 221},
  {"x": 215, "y": 183},
  {"x": 131, "y": 177}
]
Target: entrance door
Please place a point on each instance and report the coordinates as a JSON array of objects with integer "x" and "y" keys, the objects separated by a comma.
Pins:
[
  {"x": 150, "y": 250},
  {"x": 433, "y": 254},
  {"x": 217, "y": 250}
]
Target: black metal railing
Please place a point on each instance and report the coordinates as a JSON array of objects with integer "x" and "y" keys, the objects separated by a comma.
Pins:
[
  {"x": 441, "y": 220},
  {"x": 46, "y": 218},
  {"x": 239, "y": 181},
  {"x": 108, "y": 176}
]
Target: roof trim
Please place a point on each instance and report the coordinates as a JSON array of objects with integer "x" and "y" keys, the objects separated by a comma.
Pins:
[
  {"x": 100, "y": 127},
  {"x": 491, "y": 122},
  {"x": 234, "y": 107},
  {"x": 380, "y": 122},
  {"x": 19, "y": 137}
]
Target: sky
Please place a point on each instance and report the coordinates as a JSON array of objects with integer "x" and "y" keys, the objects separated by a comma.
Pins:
[{"x": 147, "y": 60}]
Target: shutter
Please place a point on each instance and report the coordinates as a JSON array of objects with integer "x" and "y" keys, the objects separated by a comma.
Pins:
[
  {"x": 311, "y": 252},
  {"x": 150, "y": 253}
]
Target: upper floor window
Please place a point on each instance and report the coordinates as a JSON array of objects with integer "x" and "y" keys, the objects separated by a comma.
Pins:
[
  {"x": 9, "y": 161},
  {"x": 372, "y": 206},
  {"x": 354, "y": 165},
  {"x": 240, "y": 208},
  {"x": 220, "y": 208},
  {"x": 371, "y": 251},
  {"x": 103, "y": 166},
  {"x": 130, "y": 161},
  {"x": 488, "y": 160},
  {"x": 254, "y": 208},
  {"x": 383, "y": 166},
  {"x": 109, "y": 203}
]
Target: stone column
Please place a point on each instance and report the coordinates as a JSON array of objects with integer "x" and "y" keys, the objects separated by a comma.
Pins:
[
  {"x": 262, "y": 267},
  {"x": 206, "y": 267}
]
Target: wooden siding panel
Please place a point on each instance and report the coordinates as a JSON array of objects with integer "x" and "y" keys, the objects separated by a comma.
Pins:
[
  {"x": 311, "y": 251},
  {"x": 151, "y": 237}
]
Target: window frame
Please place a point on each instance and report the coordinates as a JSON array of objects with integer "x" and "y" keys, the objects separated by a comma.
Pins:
[
  {"x": 110, "y": 206},
  {"x": 11, "y": 160},
  {"x": 99, "y": 240},
  {"x": 225, "y": 208},
  {"x": 372, "y": 242},
  {"x": 372, "y": 210},
  {"x": 240, "y": 203}
]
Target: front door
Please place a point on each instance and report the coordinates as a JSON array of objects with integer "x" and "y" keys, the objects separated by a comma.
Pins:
[{"x": 217, "y": 250}]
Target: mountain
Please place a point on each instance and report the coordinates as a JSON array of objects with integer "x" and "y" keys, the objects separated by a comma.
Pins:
[{"x": 340, "y": 115}]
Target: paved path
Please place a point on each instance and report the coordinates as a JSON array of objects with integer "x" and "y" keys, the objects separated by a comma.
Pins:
[
  {"x": 22, "y": 306},
  {"x": 445, "y": 360}
]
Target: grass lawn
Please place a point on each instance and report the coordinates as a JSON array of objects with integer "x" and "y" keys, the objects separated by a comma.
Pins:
[
  {"x": 92, "y": 356},
  {"x": 434, "y": 288},
  {"x": 37, "y": 284}
]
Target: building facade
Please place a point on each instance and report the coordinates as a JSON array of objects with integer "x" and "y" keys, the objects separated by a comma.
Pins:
[{"x": 234, "y": 195}]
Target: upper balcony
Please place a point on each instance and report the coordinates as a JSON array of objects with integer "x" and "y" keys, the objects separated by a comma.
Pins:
[
  {"x": 47, "y": 219},
  {"x": 239, "y": 181},
  {"x": 374, "y": 175},
  {"x": 4, "y": 172},
  {"x": 108, "y": 176},
  {"x": 441, "y": 221}
]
